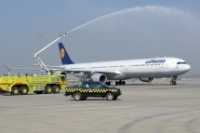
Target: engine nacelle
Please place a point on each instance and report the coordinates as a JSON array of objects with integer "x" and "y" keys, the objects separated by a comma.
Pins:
[
  {"x": 147, "y": 79},
  {"x": 99, "y": 77}
]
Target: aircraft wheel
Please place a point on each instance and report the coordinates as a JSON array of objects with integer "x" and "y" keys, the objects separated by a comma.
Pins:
[
  {"x": 173, "y": 80},
  {"x": 108, "y": 83},
  {"x": 118, "y": 82}
]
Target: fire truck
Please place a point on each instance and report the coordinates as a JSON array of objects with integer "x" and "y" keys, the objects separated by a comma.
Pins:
[{"x": 34, "y": 83}]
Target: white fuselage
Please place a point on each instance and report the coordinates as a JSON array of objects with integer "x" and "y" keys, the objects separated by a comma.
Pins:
[{"x": 138, "y": 68}]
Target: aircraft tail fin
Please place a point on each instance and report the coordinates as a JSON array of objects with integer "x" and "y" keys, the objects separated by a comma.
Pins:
[{"x": 65, "y": 58}]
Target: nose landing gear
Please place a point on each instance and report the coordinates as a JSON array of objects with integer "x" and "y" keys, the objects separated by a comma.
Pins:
[{"x": 173, "y": 81}]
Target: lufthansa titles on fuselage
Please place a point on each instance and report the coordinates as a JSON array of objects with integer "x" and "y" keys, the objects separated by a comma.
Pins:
[{"x": 157, "y": 61}]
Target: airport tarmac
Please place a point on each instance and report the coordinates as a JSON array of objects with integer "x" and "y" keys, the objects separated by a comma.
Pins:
[{"x": 143, "y": 108}]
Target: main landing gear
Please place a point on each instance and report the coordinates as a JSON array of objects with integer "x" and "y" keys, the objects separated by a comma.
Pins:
[
  {"x": 120, "y": 82},
  {"x": 173, "y": 81},
  {"x": 108, "y": 83}
]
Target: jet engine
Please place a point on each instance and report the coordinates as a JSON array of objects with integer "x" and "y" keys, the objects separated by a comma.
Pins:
[
  {"x": 99, "y": 77},
  {"x": 147, "y": 79}
]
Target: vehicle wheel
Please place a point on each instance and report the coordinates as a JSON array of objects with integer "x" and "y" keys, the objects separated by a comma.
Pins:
[
  {"x": 24, "y": 90},
  {"x": 48, "y": 90},
  {"x": 15, "y": 91},
  {"x": 77, "y": 96},
  {"x": 56, "y": 89},
  {"x": 109, "y": 96}
]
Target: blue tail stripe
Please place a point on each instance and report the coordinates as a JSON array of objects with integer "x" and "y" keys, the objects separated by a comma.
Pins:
[{"x": 65, "y": 58}]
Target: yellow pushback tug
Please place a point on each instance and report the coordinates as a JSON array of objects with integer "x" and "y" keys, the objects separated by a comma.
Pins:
[{"x": 30, "y": 84}]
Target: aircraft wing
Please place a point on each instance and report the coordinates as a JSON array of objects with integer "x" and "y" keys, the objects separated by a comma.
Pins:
[{"x": 62, "y": 68}]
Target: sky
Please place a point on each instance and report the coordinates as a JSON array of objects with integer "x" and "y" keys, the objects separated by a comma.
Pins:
[{"x": 129, "y": 29}]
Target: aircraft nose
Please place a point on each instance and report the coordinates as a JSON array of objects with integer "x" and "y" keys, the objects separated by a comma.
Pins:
[{"x": 187, "y": 67}]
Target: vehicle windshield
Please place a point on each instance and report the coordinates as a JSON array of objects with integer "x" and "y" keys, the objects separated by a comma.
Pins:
[{"x": 94, "y": 85}]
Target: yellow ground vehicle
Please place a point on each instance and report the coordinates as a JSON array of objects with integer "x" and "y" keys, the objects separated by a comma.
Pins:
[{"x": 29, "y": 84}]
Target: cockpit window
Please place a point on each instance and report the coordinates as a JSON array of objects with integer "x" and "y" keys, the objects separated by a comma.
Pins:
[{"x": 182, "y": 62}]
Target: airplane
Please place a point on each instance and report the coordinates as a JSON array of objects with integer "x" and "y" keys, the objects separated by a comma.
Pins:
[{"x": 145, "y": 69}]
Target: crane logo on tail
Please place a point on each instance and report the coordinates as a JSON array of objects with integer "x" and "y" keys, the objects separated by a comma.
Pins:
[
  {"x": 65, "y": 58},
  {"x": 62, "y": 53}
]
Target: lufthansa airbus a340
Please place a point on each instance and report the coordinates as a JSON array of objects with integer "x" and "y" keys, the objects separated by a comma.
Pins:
[{"x": 144, "y": 69}]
